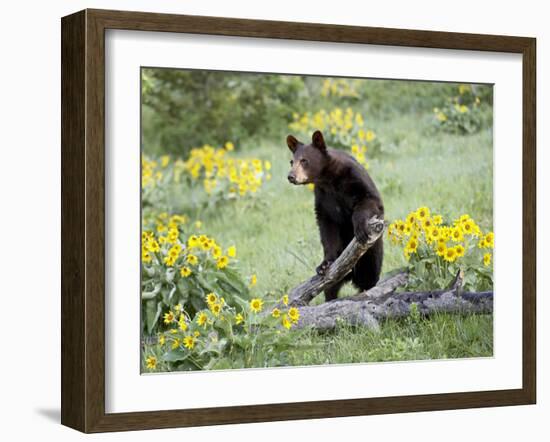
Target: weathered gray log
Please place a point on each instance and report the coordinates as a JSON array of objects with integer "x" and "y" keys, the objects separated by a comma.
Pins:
[
  {"x": 367, "y": 313},
  {"x": 384, "y": 289},
  {"x": 305, "y": 292},
  {"x": 326, "y": 316},
  {"x": 381, "y": 302}
]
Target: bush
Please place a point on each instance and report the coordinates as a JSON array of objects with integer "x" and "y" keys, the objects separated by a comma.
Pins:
[
  {"x": 437, "y": 250},
  {"x": 184, "y": 108},
  {"x": 463, "y": 113},
  {"x": 252, "y": 333},
  {"x": 180, "y": 269},
  {"x": 208, "y": 177},
  {"x": 341, "y": 128}
]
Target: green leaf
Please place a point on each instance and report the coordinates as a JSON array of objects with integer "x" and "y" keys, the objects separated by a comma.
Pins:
[
  {"x": 205, "y": 284},
  {"x": 153, "y": 309},
  {"x": 235, "y": 280},
  {"x": 175, "y": 355},
  {"x": 187, "y": 365}
]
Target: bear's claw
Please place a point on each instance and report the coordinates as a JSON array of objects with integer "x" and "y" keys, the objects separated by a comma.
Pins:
[{"x": 323, "y": 267}]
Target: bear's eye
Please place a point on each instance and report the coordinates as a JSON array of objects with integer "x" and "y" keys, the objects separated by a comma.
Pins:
[
  {"x": 291, "y": 162},
  {"x": 303, "y": 162}
]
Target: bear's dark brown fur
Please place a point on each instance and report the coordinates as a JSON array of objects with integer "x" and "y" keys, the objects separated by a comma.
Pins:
[{"x": 345, "y": 198}]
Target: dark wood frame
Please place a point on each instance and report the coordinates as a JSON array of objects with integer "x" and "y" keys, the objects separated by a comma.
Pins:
[{"x": 83, "y": 220}]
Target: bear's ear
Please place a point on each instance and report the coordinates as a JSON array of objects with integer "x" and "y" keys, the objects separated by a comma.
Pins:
[
  {"x": 293, "y": 143},
  {"x": 319, "y": 141}
]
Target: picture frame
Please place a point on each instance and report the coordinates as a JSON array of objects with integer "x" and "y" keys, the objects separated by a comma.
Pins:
[{"x": 83, "y": 220}]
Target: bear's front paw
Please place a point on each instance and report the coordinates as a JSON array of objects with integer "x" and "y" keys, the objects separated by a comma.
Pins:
[
  {"x": 362, "y": 234},
  {"x": 323, "y": 267}
]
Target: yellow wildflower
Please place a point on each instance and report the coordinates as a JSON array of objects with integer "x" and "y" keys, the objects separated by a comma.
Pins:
[
  {"x": 202, "y": 319},
  {"x": 487, "y": 259},
  {"x": 294, "y": 314},
  {"x": 192, "y": 259},
  {"x": 215, "y": 308},
  {"x": 456, "y": 234},
  {"x": 412, "y": 245},
  {"x": 193, "y": 241},
  {"x": 286, "y": 323},
  {"x": 468, "y": 227},
  {"x": 450, "y": 255},
  {"x": 169, "y": 260},
  {"x": 434, "y": 233},
  {"x": 427, "y": 223},
  {"x": 256, "y": 305},
  {"x": 169, "y": 317},
  {"x": 216, "y": 251},
  {"x": 211, "y": 298},
  {"x": 151, "y": 362},
  {"x": 146, "y": 256},
  {"x": 422, "y": 213},
  {"x": 189, "y": 342},
  {"x": 490, "y": 239},
  {"x": 222, "y": 262}
]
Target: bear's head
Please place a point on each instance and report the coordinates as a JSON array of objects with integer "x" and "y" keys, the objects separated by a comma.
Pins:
[{"x": 309, "y": 160}]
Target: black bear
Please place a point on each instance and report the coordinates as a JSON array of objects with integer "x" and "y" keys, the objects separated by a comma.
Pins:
[{"x": 345, "y": 198}]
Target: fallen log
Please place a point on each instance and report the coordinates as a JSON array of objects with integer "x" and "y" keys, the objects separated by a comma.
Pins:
[
  {"x": 382, "y": 302},
  {"x": 368, "y": 313}
]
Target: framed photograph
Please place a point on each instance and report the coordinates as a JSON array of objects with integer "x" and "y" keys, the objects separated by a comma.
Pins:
[{"x": 267, "y": 221}]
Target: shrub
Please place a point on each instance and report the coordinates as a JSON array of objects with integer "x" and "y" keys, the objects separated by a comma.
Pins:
[
  {"x": 180, "y": 269},
  {"x": 462, "y": 114},
  {"x": 340, "y": 88},
  {"x": 436, "y": 250},
  {"x": 207, "y": 177},
  {"x": 252, "y": 333},
  {"x": 342, "y": 128},
  {"x": 224, "y": 177},
  {"x": 185, "y": 108}
]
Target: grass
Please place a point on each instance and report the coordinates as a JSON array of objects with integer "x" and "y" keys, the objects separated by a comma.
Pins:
[
  {"x": 277, "y": 238},
  {"x": 440, "y": 337}
]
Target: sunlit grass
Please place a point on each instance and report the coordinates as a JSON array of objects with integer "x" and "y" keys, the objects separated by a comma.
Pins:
[{"x": 277, "y": 237}]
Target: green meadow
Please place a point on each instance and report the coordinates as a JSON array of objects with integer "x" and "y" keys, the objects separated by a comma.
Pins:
[{"x": 416, "y": 163}]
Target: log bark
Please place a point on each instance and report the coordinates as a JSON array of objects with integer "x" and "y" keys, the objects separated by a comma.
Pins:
[
  {"x": 305, "y": 292},
  {"x": 368, "y": 313}
]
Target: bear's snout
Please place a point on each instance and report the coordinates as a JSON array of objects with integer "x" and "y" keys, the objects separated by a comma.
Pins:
[{"x": 292, "y": 178}]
